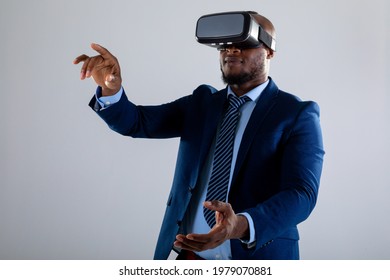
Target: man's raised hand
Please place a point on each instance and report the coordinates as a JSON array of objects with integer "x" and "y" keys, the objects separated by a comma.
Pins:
[{"x": 103, "y": 68}]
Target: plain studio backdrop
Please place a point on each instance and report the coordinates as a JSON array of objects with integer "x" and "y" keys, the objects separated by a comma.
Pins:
[{"x": 70, "y": 188}]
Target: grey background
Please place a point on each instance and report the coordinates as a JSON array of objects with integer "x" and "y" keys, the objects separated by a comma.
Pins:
[{"x": 72, "y": 189}]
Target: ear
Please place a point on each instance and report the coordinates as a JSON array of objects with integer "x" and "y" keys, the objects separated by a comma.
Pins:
[{"x": 270, "y": 53}]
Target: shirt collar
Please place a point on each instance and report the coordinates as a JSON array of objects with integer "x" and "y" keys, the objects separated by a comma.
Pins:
[{"x": 255, "y": 93}]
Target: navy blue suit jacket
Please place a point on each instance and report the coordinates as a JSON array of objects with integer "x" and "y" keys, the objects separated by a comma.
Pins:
[{"x": 277, "y": 172}]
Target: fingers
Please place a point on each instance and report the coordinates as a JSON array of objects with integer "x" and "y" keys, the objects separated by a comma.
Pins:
[
  {"x": 224, "y": 208},
  {"x": 90, "y": 64},
  {"x": 105, "y": 60},
  {"x": 226, "y": 227},
  {"x": 236, "y": 226},
  {"x": 183, "y": 243},
  {"x": 101, "y": 50},
  {"x": 80, "y": 58},
  {"x": 216, "y": 205},
  {"x": 199, "y": 242}
]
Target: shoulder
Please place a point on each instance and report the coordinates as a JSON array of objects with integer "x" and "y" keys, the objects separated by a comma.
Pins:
[
  {"x": 293, "y": 102},
  {"x": 207, "y": 94},
  {"x": 289, "y": 101},
  {"x": 204, "y": 88},
  {"x": 283, "y": 105}
]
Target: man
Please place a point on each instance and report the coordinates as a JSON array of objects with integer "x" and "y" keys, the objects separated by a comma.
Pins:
[{"x": 269, "y": 169}]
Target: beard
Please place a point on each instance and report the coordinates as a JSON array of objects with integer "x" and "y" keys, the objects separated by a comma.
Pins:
[
  {"x": 257, "y": 68},
  {"x": 238, "y": 79}
]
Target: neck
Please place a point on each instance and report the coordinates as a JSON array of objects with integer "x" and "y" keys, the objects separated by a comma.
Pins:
[{"x": 241, "y": 89}]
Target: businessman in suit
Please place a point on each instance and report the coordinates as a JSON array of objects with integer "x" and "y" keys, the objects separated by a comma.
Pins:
[{"x": 274, "y": 166}]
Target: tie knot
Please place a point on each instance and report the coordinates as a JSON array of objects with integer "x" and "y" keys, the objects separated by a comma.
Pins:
[{"x": 236, "y": 102}]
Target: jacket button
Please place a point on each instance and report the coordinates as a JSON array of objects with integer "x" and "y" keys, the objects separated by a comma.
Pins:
[
  {"x": 178, "y": 222},
  {"x": 267, "y": 243}
]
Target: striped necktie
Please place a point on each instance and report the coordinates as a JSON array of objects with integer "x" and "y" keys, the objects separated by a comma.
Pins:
[{"x": 220, "y": 175}]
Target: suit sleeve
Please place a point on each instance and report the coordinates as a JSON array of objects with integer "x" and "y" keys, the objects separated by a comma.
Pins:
[
  {"x": 128, "y": 119},
  {"x": 300, "y": 169}
]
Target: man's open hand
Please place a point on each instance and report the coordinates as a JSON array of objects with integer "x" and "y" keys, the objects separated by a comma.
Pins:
[{"x": 228, "y": 226}]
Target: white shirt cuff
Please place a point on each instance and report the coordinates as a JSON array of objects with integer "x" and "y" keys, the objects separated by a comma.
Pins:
[{"x": 252, "y": 236}]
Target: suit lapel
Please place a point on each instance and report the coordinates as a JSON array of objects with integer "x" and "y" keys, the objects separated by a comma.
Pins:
[
  {"x": 264, "y": 105},
  {"x": 211, "y": 121}
]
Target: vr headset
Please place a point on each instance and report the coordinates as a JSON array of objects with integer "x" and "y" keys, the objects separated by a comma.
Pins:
[{"x": 239, "y": 29}]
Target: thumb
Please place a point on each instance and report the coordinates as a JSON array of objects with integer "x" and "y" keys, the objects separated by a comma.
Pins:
[
  {"x": 218, "y": 217},
  {"x": 111, "y": 81}
]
